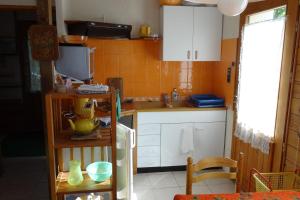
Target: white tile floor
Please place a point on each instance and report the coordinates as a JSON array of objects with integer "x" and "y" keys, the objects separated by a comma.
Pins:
[
  {"x": 164, "y": 185},
  {"x": 26, "y": 178}
]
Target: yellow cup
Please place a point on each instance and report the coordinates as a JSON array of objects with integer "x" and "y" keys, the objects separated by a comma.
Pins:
[{"x": 145, "y": 30}]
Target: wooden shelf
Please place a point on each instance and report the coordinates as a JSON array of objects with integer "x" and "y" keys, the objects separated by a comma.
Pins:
[
  {"x": 73, "y": 94},
  {"x": 63, "y": 140},
  {"x": 88, "y": 185}
]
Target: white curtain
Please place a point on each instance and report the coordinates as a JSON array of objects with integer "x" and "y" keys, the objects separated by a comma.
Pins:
[{"x": 261, "y": 57}]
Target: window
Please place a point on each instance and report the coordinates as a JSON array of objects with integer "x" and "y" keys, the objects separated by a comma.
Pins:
[
  {"x": 273, "y": 14},
  {"x": 260, "y": 66}
]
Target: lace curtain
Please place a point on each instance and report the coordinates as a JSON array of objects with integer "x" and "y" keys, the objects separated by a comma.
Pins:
[{"x": 261, "y": 57}]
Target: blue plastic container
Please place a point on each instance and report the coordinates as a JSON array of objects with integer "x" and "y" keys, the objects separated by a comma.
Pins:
[
  {"x": 99, "y": 171},
  {"x": 206, "y": 101}
]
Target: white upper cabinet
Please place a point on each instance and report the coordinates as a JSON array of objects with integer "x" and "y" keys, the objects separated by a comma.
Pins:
[
  {"x": 207, "y": 34},
  {"x": 191, "y": 33},
  {"x": 177, "y": 28}
]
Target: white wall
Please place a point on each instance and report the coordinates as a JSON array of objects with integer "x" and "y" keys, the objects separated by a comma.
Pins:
[
  {"x": 231, "y": 27},
  {"x": 229, "y": 132},
  {"x": 134, "y": 12},
  {"x": 61, "y": 11}
]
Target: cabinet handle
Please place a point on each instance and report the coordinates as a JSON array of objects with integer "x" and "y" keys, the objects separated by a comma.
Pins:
[
  {"x": 196, "y": 54},
  {"x": 189, "y": 54},
  {"x": 133, "y": 139}
]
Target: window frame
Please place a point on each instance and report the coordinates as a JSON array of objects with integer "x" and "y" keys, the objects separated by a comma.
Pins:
[{"x": 292, "y": 7}]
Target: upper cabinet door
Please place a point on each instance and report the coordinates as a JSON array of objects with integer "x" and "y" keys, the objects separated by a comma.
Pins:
[
  {"x": 207, "y": 34},
  {"x": 177, "y": 29}
]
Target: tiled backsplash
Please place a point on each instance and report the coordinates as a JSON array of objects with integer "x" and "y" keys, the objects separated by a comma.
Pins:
[
  {"x": 138, "y": 63},
  {"x": 146, "y": 76}
]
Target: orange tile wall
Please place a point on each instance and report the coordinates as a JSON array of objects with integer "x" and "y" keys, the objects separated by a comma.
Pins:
[
  {"x": 220, "y": 86},
  {"x": 145, "y": 75}
]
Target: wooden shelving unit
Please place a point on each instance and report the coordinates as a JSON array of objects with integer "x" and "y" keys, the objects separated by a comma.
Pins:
[
  {"x": 87, "y": 185},
  {"x": 59, "y": 138}
]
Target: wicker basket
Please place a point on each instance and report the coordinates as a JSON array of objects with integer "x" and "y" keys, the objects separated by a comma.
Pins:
[{"x": 267, "y": 182}]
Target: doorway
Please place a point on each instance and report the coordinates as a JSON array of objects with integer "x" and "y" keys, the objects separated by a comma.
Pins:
[{"x": 20, "y": 96}]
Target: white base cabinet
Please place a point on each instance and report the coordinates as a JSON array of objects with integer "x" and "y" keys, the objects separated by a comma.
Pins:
[
  {"x": 171, "y": 137},
  {"x": 160, "y": 136},
  {"x": 148, "y": 145},
  {"x": 209, "y": 140}
]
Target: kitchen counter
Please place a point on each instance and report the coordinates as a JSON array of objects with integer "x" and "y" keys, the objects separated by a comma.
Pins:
[
  {"x": 157, "y": 106},
  {"x": 129, "y": 109}
]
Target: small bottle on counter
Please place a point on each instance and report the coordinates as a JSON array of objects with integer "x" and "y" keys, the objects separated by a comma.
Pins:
[
  {"x": 175, "y": 95},
  {"x": 165, "y": 98}
]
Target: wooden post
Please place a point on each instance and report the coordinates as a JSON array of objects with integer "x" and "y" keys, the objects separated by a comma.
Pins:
[
  {"x": 114, "y": 140},
  {"x": 189, "y": 175},
  {"x": 44, "y": 13},
  {"x": 50, "y": 143}
]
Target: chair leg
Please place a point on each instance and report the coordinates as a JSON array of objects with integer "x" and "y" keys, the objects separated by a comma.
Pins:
[
  {"x": 189, "y": 175},
  {"x": 240, "y": 169}
]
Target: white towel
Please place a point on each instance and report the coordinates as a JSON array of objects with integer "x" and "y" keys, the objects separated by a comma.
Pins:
[{"x": 187, "y": 139}]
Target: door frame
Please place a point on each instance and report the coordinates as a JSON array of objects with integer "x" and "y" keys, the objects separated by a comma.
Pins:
[
  {"x": 291, "y": 92},
  {"x": 287, "y": 63}
]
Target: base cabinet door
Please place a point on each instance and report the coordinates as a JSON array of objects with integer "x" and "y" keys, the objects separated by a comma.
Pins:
[
  {"x": 208, "y": 140},
  {"x": 171, "y": 137}
]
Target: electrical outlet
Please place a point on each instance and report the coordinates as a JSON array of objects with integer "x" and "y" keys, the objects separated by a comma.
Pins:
[{"x": 228, "y": 74}]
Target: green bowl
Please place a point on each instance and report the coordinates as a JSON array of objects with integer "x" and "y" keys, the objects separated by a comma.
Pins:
[{"x": 99, "y": 171}]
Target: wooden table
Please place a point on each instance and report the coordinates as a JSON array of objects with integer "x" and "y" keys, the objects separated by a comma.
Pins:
[{"x": 283, "y": 195}]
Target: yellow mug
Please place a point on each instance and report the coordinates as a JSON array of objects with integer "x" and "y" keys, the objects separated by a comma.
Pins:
[{"x": 145, "y": 30}]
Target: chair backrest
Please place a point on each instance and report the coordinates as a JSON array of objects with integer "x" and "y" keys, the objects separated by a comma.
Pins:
[{"x": 210, "y": 163}]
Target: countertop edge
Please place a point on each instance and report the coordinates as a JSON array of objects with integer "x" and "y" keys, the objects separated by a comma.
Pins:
[
  {"x": 178, "y": 109},
  {"x": 129, "y": 109}
]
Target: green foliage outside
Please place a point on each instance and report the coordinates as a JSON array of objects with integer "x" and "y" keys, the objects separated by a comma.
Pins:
[{"x": 279, "y": 12}]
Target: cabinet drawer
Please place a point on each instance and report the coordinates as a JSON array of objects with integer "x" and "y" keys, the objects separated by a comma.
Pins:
[
  {"x": 148, "y": 162},
  {"x": 150, "y": 151},
  {"x": 148, "y": 140},
  {"x": 149, "y": 129},
  {"x": 181, "y": 117}
]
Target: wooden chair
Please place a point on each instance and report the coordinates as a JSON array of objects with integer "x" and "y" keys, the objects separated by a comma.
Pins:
[{"x": 214, "y": 162}]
